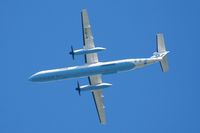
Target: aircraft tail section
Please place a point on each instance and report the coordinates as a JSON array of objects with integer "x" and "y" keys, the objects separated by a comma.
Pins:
[
  {"x": 164, "y": 64},
  {"x": 160, "y": 43},
  {"x": 161, "y": 49},
  {"x": 161, "y": 53}
]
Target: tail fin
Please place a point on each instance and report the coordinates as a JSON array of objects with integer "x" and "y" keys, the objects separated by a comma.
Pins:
[
  {"x": 162, "y": 51},
  {"x": 164, "y": 64}
]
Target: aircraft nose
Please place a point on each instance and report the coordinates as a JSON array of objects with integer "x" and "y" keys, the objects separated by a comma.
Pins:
[{"x": 33, "y": 78}]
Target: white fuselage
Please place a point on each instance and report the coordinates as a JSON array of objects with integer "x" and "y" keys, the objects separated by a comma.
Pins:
[{"x": 93, "y": 69}]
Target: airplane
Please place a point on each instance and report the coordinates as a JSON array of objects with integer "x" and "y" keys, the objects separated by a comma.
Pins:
[{"x": 94, "y": 69}]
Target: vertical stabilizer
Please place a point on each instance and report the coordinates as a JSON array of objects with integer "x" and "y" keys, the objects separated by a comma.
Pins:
[
  {"x": 161, "y": 49},
  {"x": 160, "y": 43}
]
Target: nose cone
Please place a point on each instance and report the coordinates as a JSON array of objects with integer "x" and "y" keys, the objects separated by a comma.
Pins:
[{"x": 33, "y": 78}]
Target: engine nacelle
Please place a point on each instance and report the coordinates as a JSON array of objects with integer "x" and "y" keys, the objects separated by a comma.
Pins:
[
  {"x": 92, "y": 87},
  {"x": 85, "y": 51}
]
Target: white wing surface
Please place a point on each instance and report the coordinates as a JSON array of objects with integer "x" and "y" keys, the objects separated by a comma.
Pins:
[
  {"x": 88, "y": 39},
  {"x": 92, "y": 58}
]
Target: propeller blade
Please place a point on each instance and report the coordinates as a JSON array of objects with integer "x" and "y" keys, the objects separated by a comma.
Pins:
[
  {"x": 78, "y": 88},
  {"x": 79, "y": 92},
  {"x": 72, "y": 52}
]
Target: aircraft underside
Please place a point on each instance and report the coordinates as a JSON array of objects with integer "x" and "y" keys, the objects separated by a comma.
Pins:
[{"x": 94, "y": 69}]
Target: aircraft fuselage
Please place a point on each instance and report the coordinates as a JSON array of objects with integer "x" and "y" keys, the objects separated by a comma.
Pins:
[{"x": 93, "y": 69}]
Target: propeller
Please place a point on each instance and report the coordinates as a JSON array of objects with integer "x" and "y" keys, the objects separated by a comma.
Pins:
[
  {"x": 78, "y": 88},
  {"x": 72, "y": 52}
]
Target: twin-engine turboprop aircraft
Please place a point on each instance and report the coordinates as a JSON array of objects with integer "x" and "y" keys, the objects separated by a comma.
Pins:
[{"x": 93, "y": 69}]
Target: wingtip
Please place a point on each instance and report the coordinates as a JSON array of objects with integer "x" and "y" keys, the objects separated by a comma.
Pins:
[
  {"x": 84, "y": 10},
  {"x": 103, "y": 123}
]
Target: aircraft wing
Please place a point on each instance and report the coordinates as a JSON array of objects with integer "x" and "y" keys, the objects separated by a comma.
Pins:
[
  {"x": 92, "y": 58},
  {"x": 88, "y": 39},
  {"x": 98, "y": 98}
]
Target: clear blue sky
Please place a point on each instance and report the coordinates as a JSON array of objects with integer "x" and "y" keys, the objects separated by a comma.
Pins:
[{"x": 37, "y": 34}]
